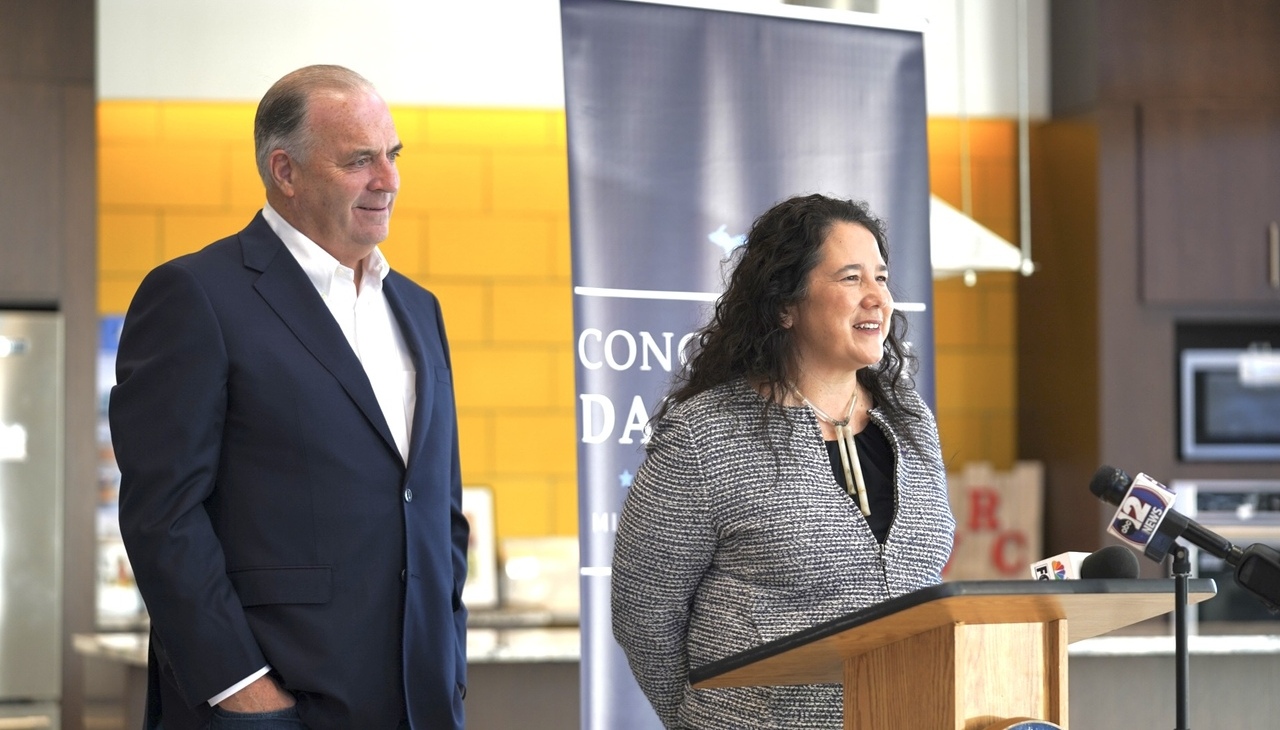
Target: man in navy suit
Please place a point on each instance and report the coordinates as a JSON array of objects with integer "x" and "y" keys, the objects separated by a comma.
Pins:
[{"x": 286, "y": 431}]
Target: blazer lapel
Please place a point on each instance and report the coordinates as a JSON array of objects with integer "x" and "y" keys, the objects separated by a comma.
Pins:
[
  {"x": 289, "y": 292},
  {"x": 413, "y": 339}
]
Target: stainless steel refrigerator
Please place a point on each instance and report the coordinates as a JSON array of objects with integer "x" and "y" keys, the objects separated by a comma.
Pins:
[{"x": 31, "y": 498}]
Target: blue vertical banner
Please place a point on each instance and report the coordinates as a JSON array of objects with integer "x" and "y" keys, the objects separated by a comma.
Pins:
[{"x": 685, "y": 122}]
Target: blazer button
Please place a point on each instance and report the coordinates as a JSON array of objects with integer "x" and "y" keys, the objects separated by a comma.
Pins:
[
  {"x": 408, "y": 495},
  {"x": 402, "y": 575}
]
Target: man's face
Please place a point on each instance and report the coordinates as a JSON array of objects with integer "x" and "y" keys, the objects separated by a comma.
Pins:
[{"x": 344, "y": 187}]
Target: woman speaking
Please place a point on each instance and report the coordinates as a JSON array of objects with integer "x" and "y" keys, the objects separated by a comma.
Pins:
[{"x": 793, "y": 475}]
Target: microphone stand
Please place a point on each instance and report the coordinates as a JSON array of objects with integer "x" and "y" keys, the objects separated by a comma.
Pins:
[
  {"x": 1257, "y": 570},
  {"x": 1182, "y": 656}
]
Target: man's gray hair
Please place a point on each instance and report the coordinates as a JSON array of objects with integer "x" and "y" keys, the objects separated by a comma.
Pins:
[{"x": 280, "y": 123}]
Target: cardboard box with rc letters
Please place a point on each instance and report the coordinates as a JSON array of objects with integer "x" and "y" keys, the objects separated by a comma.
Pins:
[{"x": 999, "y": 521}]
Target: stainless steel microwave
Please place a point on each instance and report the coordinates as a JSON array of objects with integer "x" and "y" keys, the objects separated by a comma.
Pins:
[
  {"x": 1244, "y": 512},
  {"x": 1230, "y": 405}
]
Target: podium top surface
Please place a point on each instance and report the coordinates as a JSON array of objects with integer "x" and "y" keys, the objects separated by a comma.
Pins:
[{"x": 1090, "y": 607}]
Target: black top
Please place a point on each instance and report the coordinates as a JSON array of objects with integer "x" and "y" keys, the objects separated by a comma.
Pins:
[{"x": 876, "y": 456}]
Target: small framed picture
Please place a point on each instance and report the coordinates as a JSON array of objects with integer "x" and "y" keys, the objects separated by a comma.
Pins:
[{"x": 481, "y": 588}]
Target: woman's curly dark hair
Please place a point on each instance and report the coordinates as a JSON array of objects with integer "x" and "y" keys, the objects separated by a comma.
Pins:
[{"x": 745, "y": 337}]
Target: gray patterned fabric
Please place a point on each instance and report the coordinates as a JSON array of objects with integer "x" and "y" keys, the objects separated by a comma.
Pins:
[{"x": 732, "y": 536}]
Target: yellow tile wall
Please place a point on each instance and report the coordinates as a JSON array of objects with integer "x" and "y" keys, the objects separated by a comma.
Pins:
[
  {"x": 975, "y": 327},
  {"x": 482, "y": 220}
]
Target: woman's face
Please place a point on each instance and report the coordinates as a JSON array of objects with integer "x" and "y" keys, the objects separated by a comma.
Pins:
[{"x": 841, "y": 325}]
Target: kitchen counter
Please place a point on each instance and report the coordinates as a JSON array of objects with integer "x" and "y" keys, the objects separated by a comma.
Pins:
[
  {"x": 1198, "y": 645},
  {"x": 129, "y": 648},
  {"x": 484, "y": 645}
]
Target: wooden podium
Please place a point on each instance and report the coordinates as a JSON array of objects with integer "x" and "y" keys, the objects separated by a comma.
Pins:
[{"x": 955, "y": 656}]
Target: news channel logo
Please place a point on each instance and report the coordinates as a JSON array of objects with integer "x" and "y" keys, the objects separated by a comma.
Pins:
[
  {"x": 1141, "y": 511},
  {"x": 1052, "y": 570}
]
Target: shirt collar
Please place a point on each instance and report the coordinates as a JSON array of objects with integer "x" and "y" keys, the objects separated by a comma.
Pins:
[{"x": 318, "y": 264}]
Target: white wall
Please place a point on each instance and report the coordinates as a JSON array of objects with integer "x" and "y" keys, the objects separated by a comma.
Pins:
[
  {"x": 971, "y": 56},
  {"x": 458, "y": 52},
  {"x": 488, "y": 53}
]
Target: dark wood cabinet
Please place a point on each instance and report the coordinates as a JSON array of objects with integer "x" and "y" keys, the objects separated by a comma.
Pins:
[
  {"x": 33, "y": 198},
  {"x": 1209, "y": 203}
]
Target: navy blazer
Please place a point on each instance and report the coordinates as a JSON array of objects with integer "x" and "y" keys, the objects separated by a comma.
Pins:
[{"x": 267, "y": 513}]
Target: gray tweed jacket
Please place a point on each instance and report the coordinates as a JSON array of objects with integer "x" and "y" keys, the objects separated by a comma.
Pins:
[{"x": 732, "y": 536}]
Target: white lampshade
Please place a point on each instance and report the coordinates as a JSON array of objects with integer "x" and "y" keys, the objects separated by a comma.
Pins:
[{"x": 960, "y": 246}]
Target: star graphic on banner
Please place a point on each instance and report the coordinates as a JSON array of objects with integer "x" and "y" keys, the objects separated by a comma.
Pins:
[{"x": 625, "y": 478}]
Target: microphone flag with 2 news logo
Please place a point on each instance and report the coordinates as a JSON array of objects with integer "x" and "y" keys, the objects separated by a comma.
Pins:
[
  {"x": 1141, "y": 511},
  {"x": 685, "y": 123}
]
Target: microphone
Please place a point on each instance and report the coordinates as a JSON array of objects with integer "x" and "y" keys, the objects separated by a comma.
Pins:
[
  {"x": 1145, "y": 518},
  {"x": 1144, "y": 523},
  {"x": 1113, "y": 561}
]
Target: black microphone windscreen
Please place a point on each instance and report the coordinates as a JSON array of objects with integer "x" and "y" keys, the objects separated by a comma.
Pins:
[
  {"x": 1110, "y": 484},
  {"x": 1112, "y": 561}
]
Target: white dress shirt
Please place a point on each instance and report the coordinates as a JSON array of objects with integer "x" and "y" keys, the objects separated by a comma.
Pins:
[{"x": 365, "y": 318}]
